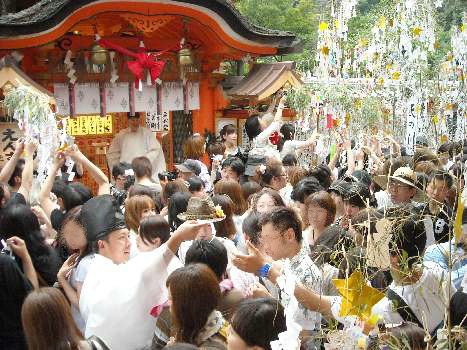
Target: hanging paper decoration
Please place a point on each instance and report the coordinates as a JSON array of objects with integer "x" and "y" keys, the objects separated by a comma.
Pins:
[
  {"x": 172, "y": 96},
  {"x": 117, "y": 98},
  {"x": 71, "y": 74},
  {"x": 87, "y": 98},
  {"x": 113, "y": 68},
  {"x": 146, "y": 99},
  {"x": 193, "y": 95},
  {"x": 37, "y": 121},
  {"x": 62, "y": 99},
  {"x": 143, "y": 61}
]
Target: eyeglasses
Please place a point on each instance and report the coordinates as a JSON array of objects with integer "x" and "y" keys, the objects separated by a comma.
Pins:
[{"x": 396, "y": 186}]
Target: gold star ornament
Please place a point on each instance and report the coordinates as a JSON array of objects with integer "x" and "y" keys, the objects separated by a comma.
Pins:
[
  {"x": 325, "y": 50},
  {"x": 417, "y": 31},
  {"x": 323, "y": 26},
  {"x": 357, "y": 297}
]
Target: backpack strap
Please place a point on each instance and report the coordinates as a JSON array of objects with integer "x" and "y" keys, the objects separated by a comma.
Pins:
[{"x": 402, "y": 308}]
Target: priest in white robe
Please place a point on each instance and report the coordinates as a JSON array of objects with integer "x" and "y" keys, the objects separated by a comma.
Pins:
[
  {"x": 118, "y": 295},
  {"x": 136, "y": 141}
]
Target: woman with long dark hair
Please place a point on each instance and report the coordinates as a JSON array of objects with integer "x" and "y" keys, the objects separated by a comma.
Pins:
[
  {"x": 19, "y": 220},
  {"x": 48, "y": 324}
]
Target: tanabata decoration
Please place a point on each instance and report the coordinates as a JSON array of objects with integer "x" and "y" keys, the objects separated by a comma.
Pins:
[
  {"x": 458, "y": 221},
  {"x": 357, "y": 297},
  {"x": 37, "y": 121},
  {"x": 378, "y": 245},
  {"x": 143, "y": 60},
  {"x": 288, "y": 340}
]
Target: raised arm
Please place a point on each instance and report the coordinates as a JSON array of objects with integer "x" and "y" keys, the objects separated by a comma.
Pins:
[
  {"x": 10, "y": 165},
  {"x": 44, "y": 194},
  {"x": 275, "y": 125},
  {"x": 96, "y": 173},
  {"x": 255, "y": 260},
  {"x": 27, "y": 175},
  {"x": 114, "y": 151},
  {"x": 18, "y": 247},
  {"x": 335, "y": 158}
]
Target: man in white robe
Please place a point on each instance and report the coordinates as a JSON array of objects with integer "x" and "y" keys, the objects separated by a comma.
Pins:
[
  {"x": 118, "y": 295},
  {"x": 136, "y": 141}
]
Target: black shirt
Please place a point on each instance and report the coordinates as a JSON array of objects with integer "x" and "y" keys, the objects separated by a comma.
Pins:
[
  {"x": 442, "y": 222},
  {"x": 14, "y": 287}
]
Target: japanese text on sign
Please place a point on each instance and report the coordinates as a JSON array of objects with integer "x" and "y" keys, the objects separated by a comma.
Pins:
[
  {"x": 90, "y": 125},
  {"x": 9, "y": 133}
]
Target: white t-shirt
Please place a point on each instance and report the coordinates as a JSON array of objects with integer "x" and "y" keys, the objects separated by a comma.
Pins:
[{"x": 78, "y": 275}]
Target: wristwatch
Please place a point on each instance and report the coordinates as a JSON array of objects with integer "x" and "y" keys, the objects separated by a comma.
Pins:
[{"x": 264, "y": 270}]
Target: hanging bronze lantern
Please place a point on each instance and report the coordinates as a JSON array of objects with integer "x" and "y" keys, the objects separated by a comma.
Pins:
[
  {"x": 98, "y": 55},
  {"x": 185, "y": 57}
]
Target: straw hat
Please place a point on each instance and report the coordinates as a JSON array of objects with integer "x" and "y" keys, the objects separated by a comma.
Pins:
[
  {"x": 403, "y": 175},
  {"x": 202, "y": 209}
]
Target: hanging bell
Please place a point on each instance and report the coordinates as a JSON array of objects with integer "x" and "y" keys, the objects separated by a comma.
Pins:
[
  {"x": 185, "y": 57},
  {"x": 98, "y": 55}
]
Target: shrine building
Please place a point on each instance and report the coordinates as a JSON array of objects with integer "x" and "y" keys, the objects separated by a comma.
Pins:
[{"x": 79, "y": 51}]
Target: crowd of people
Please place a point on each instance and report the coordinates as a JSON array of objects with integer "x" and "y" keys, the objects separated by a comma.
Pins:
[{"x": 238, "y": 248}]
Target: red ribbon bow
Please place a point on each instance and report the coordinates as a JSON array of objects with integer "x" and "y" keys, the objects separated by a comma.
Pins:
[
  {"x": 275, "y": 138},
  {"x": 146, "y": 61},
  {"x": 143, "y": 61}
]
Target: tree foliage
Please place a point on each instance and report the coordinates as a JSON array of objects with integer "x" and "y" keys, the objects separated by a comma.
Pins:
[{"x": 298, "y": 16}]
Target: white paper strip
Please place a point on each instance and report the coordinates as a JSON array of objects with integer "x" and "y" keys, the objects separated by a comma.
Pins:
[
  {"x": 172, "y": 96},
  {"x": 411, "y": 127},
  {"x": 193, "y": 95},
  {"x": 87, "y": 99},
  {"x": 62, "y": 97},
  {"x": 146, "y": 100},
  {"x": 117, "y": 98}
]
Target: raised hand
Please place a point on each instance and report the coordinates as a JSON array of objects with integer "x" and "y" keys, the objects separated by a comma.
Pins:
[
  {"x": 18, "y": 247},
  {"x": 19, "y": 146},
  {"x": 251, "y": 262},
  {"x": 67, "y": 266}
]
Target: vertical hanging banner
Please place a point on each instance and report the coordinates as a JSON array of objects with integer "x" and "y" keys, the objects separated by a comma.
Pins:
[
  {"x": 146, "y": 99},
  {"x": 193, "y": 95},
  {"x": 117, "y": 98},
  {"x": 62, "y": 98},
  {"x": 87, "y": 98},
  {"x": 411, "y": 127},
  {"x": 460, "y": 129},
  {"x": 172, "y": 96},
  {"x": 158, "y": 122}
]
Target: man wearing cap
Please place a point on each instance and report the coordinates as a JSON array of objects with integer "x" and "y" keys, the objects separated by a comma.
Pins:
[
  {"x": 136, "y": 141},
  {"x": 401, "y": 187},
  {"x": 118, "y": 293},
  {"x": 188, "y": 168}
]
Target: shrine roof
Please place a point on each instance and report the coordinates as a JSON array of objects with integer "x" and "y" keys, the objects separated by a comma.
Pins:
[
  {"x": 265, "y": 79},
  {"x": 46, "y": 15}
]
